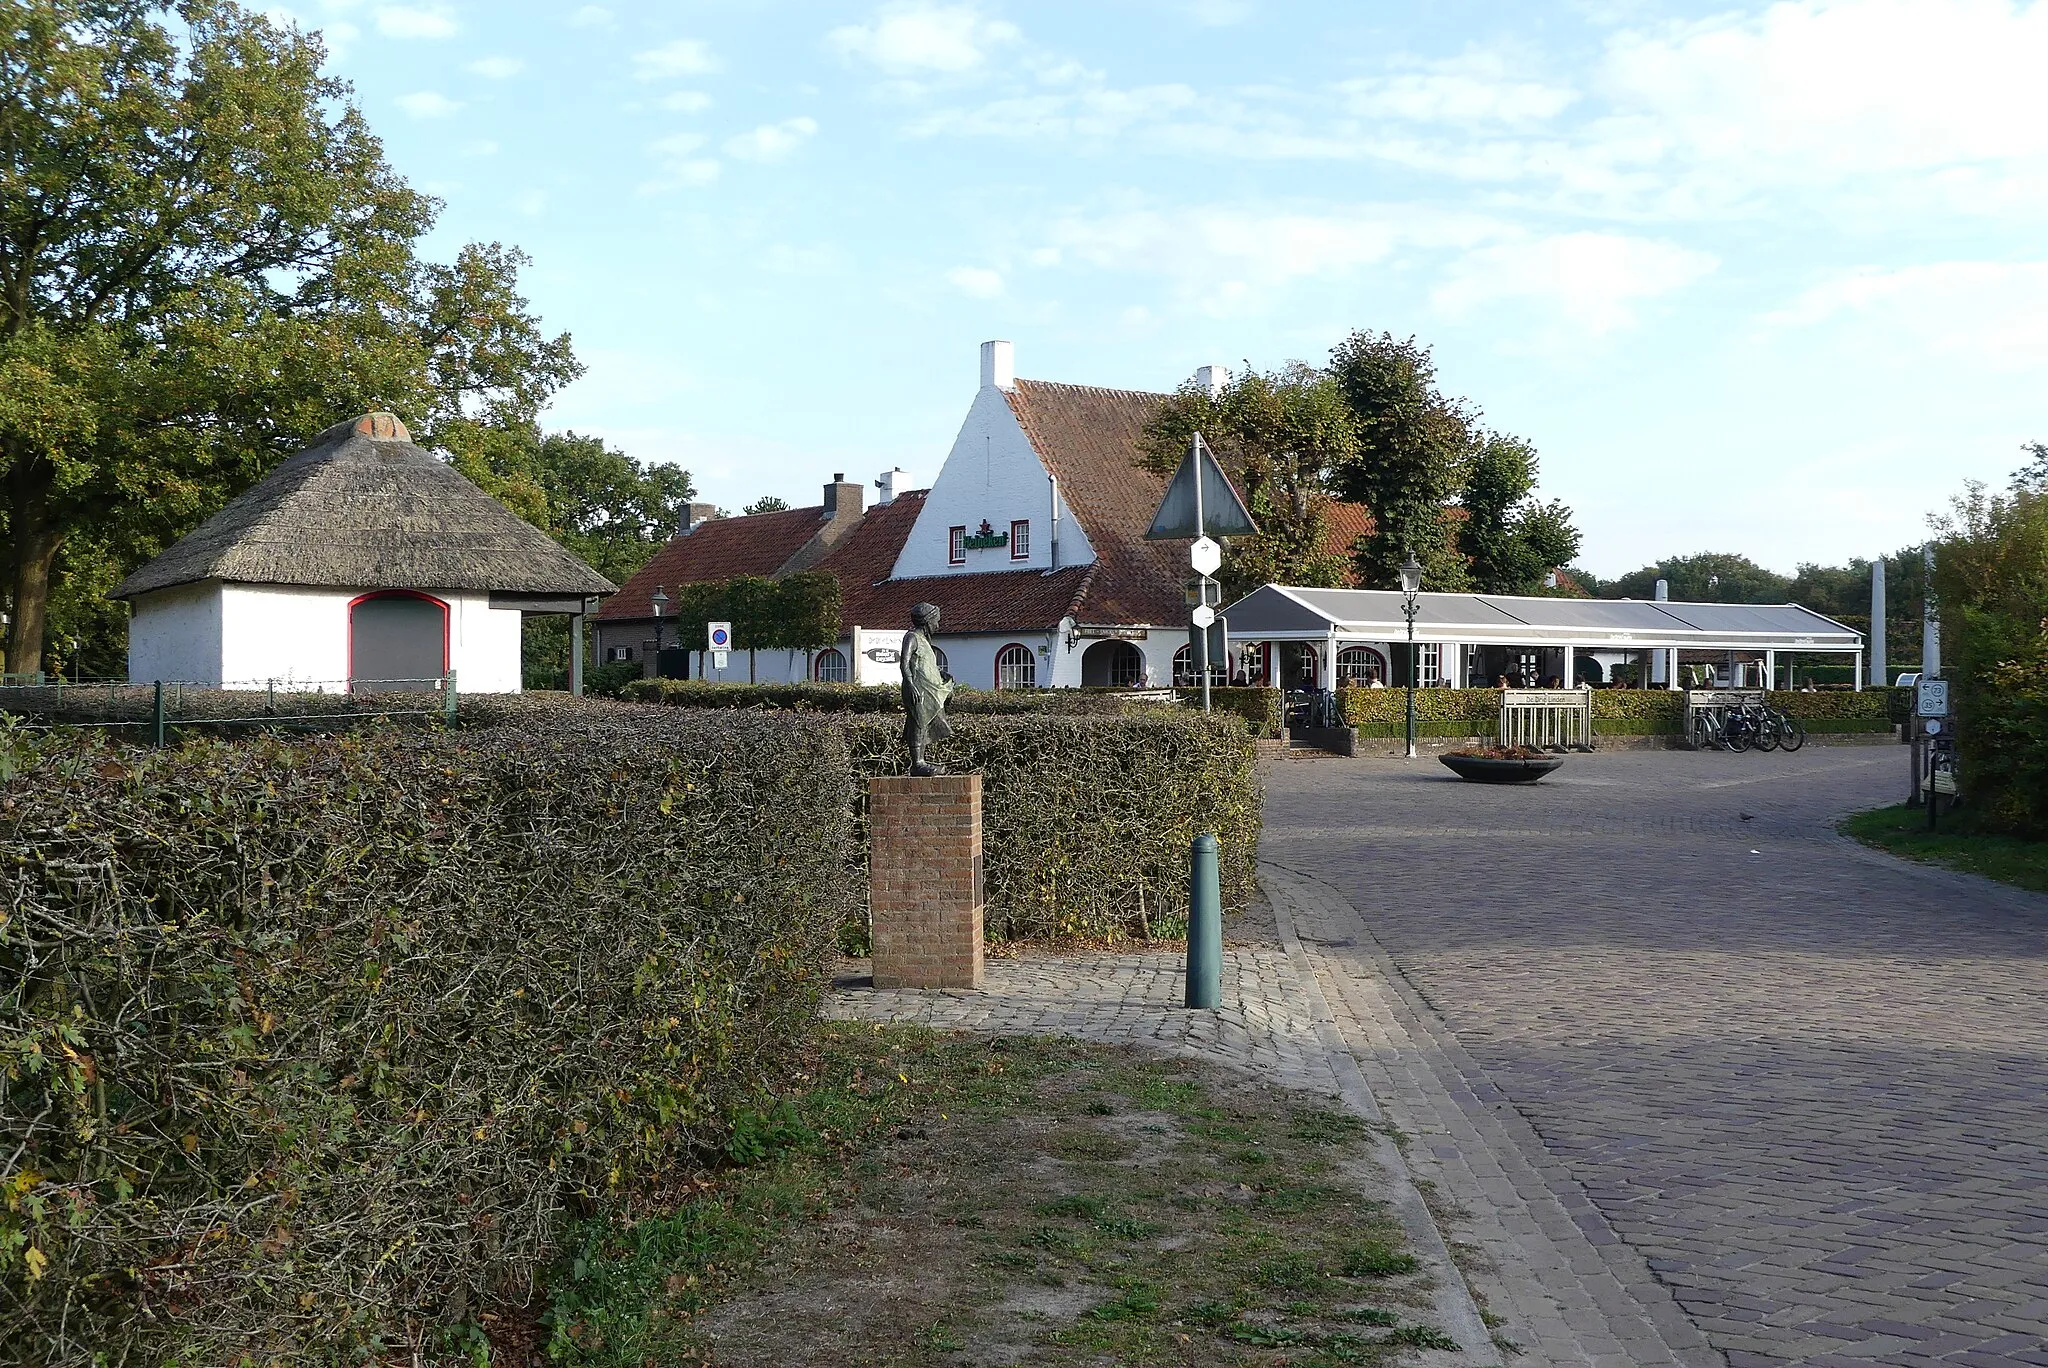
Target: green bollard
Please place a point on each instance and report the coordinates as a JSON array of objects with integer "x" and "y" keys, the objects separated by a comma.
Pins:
[{"x": 1205, "y": 925}]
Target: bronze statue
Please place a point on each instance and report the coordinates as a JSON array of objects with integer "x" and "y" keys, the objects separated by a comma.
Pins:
[{"x": 925, "y": 687}]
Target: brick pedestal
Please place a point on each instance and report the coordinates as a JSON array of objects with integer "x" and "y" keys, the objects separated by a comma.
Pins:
[{"x": 924, "y": 880}]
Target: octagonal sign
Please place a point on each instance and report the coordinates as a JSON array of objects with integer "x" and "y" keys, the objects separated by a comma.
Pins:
[{"x": 1205, "y": 555}]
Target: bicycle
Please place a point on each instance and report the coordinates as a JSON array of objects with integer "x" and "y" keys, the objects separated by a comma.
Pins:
[{"x": 1791, "y": 733}]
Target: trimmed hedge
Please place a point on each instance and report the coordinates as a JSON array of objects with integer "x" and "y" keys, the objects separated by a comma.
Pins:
[
  {"x": 1260, "y": 707},
  {"x": 1086, "y": 821},
  {"x": 1616, "y": 712},
  {"x": 867, "y": 698},
  {"x": 310, "y": 1045}
]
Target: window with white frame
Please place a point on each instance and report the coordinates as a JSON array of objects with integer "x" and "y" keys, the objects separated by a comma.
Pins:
[
  {"x": 1016, "y": 668},
  {"x": 1429, "y": 668},
  {"x": 1020, "y": 539},
  {"x": 830, "y": 667},
  {"x": 1360, "y": 667},
  {"x": 956, "y": 546},
  {"x": 614, "y": 654}
]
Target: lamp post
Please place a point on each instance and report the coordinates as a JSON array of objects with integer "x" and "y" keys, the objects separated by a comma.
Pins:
[
  {"x": 1411, "y": 584},
  {"x": 658, "y": 601}
]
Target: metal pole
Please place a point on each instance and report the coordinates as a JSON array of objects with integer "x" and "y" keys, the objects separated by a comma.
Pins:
[
  {"x": 1202, "y": 583},
  {"x": 448, "y": 705},
  {"x": 159, "y": 714},
  {"x": 1930, "y": 626},
  {"x": 576, "y": 652},
  {"x": 1877, "y": 662},
  {"x": 1205, "y": 925},
  {"x": 1410, "y": 609}
]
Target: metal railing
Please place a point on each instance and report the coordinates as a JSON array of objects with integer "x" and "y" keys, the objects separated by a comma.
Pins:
[
  {"x": 159, "y": 707},
  {"x": 1547, "y": 719}
]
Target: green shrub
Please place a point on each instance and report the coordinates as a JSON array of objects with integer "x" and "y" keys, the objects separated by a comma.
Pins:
[
  {"x": 1260, "y": 707},
  {"x": 1616, "y": 712},
  {"x": 1086, "y": 821},
  {"x": 1438, "y": 712},
  {"x": 869, "y": 698},
  {"x": 310, "y": 1045},
  {"x": 1991, "y": 577},
  {"x": 609, "y": 679}
]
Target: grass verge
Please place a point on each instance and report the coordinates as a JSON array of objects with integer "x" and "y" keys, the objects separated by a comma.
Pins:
[
  {"x": 935, "y": 1199},
  {"x": 1903, "y": 831}
]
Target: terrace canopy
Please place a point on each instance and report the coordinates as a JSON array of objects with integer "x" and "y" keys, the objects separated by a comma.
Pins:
[{"x": 1477, "y": 637}]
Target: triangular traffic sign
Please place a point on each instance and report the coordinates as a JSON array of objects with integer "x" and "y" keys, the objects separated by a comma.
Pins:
[{"x": 1223, "y": 511}]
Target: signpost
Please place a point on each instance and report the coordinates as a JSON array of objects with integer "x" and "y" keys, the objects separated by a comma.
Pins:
[
  {"x": 720, "y": 634},
  {"x": 1200, "y": 502}
]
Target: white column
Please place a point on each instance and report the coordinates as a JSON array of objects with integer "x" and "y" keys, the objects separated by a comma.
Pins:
[
  {"x": 1671, "y": 668},
  {"x": 1770, "y": 669},
  {"x": 1859, "y": 672}
]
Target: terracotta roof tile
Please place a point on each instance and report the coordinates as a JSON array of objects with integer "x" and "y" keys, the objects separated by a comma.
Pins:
[{"x": 756, "y": 544}]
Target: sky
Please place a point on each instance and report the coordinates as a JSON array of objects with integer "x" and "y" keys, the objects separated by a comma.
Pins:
[{"x": 1757, "y": 278}]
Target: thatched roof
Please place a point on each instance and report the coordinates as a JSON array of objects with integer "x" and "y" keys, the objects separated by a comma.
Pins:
[{"x": 366, "y": 509}]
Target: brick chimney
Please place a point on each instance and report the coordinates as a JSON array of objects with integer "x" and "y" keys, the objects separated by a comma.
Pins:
[
  {"x": 695, "y": 516},
  {"x": 843, "y": 499}
]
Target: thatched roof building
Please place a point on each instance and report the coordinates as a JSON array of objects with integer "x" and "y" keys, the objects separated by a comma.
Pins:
[
  {"x": 362, "y": 562},
  {"x": 365, "y": 508}
]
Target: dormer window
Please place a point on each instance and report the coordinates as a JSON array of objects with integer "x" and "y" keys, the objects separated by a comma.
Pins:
[
  {"x": 1020, "y": 539},
  {"x": 956, "y": 546}
]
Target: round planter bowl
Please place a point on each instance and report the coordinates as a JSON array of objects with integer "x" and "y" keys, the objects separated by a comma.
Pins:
[{"x": 1480, "y": 770}]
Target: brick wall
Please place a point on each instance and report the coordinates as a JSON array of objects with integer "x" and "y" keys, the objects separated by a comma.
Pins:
[{"x": 924, "y": 880}]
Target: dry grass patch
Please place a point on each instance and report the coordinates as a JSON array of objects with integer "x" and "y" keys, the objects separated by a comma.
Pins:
[{"x": 957, "y": 1200}]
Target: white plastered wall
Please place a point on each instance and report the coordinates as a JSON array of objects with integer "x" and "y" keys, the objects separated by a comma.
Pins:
[
  {"x": 174, "y": 635},
  {"x": 993, "y": 473},
  {"x": 247, "y": 635}
]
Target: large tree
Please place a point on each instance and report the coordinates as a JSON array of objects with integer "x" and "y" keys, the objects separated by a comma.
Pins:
[
  {"x": 1510, "y": 539},
  {"x": 1708, "y": 577},
  {"x": 1413, "y": 458},
  {"x": 1281, "y": 437},
  {"x": 205, "y": 260}
]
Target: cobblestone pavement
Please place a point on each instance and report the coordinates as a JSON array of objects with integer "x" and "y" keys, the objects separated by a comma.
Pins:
[{"x": 1658, "y": 997}]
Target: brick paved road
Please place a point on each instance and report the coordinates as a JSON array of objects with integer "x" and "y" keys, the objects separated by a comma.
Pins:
[{"x": 1805, "y": 1082}]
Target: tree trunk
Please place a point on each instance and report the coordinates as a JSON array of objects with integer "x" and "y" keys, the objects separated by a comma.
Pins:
[{"x": 35, "y": 539}]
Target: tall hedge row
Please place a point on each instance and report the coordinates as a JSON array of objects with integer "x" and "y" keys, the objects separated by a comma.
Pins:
[
  {"x": 306, "y": 1046},
  {"x": 1086, "y": 821},
  {"x": 868, "y": 698},
  {"x": 1616, "y": 712},
  {"x": 1991, "y": 580}
]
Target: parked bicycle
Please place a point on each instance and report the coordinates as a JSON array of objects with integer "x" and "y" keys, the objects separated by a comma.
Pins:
[{"x": 1746, "y": 726}]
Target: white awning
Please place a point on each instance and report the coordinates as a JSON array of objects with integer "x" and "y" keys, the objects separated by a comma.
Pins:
[{"x": 1279, "y": 612}]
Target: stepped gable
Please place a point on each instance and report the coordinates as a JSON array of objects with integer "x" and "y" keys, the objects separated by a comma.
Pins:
[{"x": 365, "y": 508}]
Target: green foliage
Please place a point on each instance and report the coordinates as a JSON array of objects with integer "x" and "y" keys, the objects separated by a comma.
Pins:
[
  {"x": 1260, "y": 707},
  {"x": 1960, "y": 842},
  {"x": 1616, "y": 712},
  {"x": 1991, "y": 580},
  {"x": 206, "y": 261},
  {"x": 310, "y": 1046},
  {"x": 1282, "y": 438},
  {"x": 1414, "y": 455},
  {"x": 798, "y": 612},
  {"x": 1708, "y": 577},
  {"x": 1510, "y": 541},
  {"x": 1086, "y": 821},
  {"x": 870, "y": 698},
  {"x": 767, "y": 503}
]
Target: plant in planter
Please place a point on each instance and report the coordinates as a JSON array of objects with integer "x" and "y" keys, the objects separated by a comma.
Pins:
[{"x": 1501, "y": 764}]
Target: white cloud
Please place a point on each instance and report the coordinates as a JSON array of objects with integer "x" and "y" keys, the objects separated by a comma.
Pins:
[
  {"x": 591, "y": 16},
  {"x": 976, "y": 282},
  {"x": 496, "y": 68},
  {"x": 1589, "y": 280},
  {"x": 1477, "y": 88},
  {"x": 911, "y": 36},
  {"x": 1095, "y": 113},
  {"x": 680, "y": 164},
  {"x": 771, "y": 142},
  {"x": 427, "y": 104},
  {"x": 1992, "y": 313},
  {"x": 408, "y": 21},
  {"x": 684, "y": 102},
  {"x": 683, "y": 57}
]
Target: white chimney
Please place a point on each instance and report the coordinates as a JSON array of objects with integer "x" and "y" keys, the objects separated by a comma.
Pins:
[
  {"x": 998, "y": 365},
  {"x": 1213, "y": 379},
  {"x": 893, "y": 482},
  {"x": 1663, "y": 590}
]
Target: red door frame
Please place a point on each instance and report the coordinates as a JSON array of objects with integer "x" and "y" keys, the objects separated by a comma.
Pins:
[{"x": 442, "y": 604}]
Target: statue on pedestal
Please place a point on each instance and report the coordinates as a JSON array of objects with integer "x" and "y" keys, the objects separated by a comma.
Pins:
[{"x": 925, "y": 689}]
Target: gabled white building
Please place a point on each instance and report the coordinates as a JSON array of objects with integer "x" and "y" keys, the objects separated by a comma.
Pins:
[{"x": 363, "y": 562}]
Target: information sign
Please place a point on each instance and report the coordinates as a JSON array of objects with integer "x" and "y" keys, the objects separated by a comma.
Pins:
[
  {"x": 1205, "y": 555},
  {"x": 1934, "y": 698},
  {"x": 721, "y": 636},
  {"x": 1203, "y": 616}
]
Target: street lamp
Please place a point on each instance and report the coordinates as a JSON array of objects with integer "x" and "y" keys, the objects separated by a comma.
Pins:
[
  {"x": 1411, "y": 584},
  {"x": 658, "y": 601}
]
